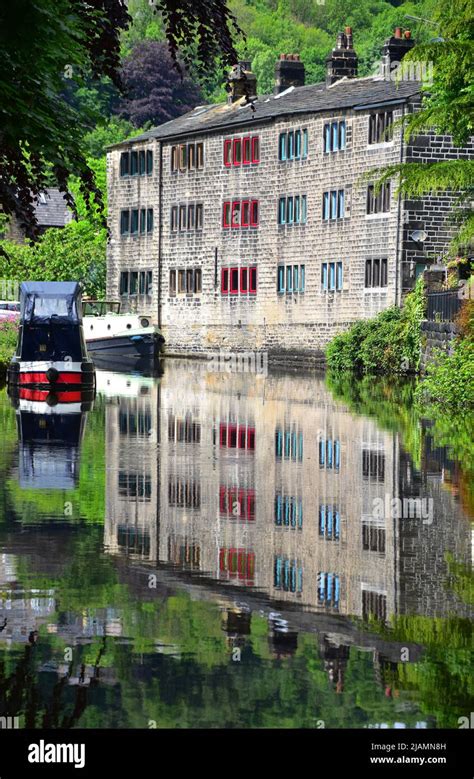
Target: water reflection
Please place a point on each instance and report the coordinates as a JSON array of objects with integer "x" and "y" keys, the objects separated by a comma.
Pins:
[
  {"x": 270, "y": 486},
  {"x": 50, "y": 430},
  {"x": 241, "y": 550}
]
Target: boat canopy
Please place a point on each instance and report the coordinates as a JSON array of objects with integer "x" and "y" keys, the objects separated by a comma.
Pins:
[{"x": 47, "y": 302}]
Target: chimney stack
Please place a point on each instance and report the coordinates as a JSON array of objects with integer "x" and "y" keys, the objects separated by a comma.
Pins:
[
  {"x": 242, "y": 82},
  {"x": 343, "y": 60},
  {"x": 394, "y": 49},
  {"x": 289, "y": 72}
]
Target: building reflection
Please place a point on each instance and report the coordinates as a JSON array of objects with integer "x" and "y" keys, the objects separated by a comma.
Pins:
[{"x": 271, "y": 486}]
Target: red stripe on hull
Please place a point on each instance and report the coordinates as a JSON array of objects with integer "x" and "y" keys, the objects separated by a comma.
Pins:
[
  {"x": 33, "y": 377},
  {"x": 41, "y": 395}
]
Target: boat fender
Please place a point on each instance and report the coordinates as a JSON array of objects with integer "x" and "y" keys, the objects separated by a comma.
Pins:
[
  {"x": 52, "y": 374},
  {"x": 52, "y": 399}
]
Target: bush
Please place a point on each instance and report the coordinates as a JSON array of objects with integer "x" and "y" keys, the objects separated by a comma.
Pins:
[
  {"x": 388, "y": 343},
  {"x": 449, "y": 379},
  {"x": 8, "y": 339}
]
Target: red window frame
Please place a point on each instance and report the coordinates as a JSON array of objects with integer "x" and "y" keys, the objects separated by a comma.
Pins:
[
  {"x": 250, "y": 505},
  {"x": 253, "y": 280},
  {"x": 226, "y": 203},
  {"x": 256, "y": 143},
  {"x": 223, "y": 434},
  {"x": 254, "y": 207},
  {"x": 232, "y": 436},
  {"x": 251, "y": 438},
  {"x": 236, "y": 143},
  {"x": 233, "y": 274},
  {"x": 222, "y": 500},
  {"x": 244, "y": 274},
  {"x": 228, "y": 153},
  {"x": 245, "y": 222},
  {"x": 247, "y": 158},
  {"x": 225, "y": 281},
  {"x": 242, "y": 437},
  {"x": 236, "y": 225}
]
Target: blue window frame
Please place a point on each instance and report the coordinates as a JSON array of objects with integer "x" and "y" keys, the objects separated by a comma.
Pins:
[
  {"x": 339, "y": 275},
  {"x": 289, "y": 210},
  {"x": 333, "y": 214},
  {"x": 282, "y": 211},
  {"x": 342, "y": 135},
  {"x": 297, "y": 144},
  {"x": 332, "y": 276},
  {"x": 278, "y": 443},
  {"x": 327, "y": 137},
  {"x": 282, "y": 147},
  {"x": 329, "y": 453},
  {"x": 334, "y": 136},
  {"x": 291, "y": 145},
  {"x": 302, "y": 279},
  {"x": 297, "y": 209},
  {"x": 281, "y": 279},
  {"x": 296, "y": 281},
  {"x": 340, "y": 204},
  {"x": 337, "y": 454},
  {"x": 305, "y": 144},
  {"x": 304, "y": 209},
  {"x": 289, "y": 279},
  {"x": 326, "y": 205},
  {"x": 324, "y": 275}
]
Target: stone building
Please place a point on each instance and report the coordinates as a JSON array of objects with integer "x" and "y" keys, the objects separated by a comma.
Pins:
[{"x": 254, "y": 225}]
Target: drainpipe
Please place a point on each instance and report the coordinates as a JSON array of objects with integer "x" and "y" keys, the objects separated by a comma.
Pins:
[
  {"x": 398, "y": 284},
  {"x": 160, "y": 230}
]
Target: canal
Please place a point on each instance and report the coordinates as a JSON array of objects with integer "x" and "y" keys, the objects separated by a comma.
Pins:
[{"x": 214, "y": 549}]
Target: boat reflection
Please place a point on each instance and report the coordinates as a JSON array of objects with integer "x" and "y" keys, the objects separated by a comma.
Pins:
[{"x": 50, "y": 430}]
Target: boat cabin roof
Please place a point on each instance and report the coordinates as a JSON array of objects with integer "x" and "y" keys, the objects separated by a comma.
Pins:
[{"x": 47, "y": 302}]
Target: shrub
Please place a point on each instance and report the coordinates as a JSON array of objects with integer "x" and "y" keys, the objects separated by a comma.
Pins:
[
  {"x": 388, "y": 343},
  {"x": 449, "y": 379},
  {"x": 8, "y": 339}
]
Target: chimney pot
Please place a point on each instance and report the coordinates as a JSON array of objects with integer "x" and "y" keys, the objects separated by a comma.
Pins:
[{"x": 343, "y": 61}]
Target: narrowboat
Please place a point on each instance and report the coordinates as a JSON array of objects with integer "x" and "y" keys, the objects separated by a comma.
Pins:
[
  {"x": 51, "y": 355},
  {"x": 121, "y": 342}
]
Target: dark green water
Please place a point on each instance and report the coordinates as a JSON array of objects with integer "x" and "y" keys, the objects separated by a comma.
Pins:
[{"x": 233, "y": 550}]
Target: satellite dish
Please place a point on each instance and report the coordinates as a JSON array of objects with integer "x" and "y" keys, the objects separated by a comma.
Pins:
[{"x": 419, "y": 236}]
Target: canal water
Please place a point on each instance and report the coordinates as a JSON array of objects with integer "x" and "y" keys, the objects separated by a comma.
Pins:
[{"x": 215, "y": 549}]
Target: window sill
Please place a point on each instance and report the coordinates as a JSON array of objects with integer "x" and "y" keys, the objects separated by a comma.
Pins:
[
  {"x": 381, "y": 215},
  {"x": 370, "y": 290}
]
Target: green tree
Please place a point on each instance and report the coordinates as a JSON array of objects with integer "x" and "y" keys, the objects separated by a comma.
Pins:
[{"x": 448, "y": 109}]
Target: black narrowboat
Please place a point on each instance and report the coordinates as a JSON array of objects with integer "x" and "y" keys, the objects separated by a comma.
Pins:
[{"x": 51, "y": 354}]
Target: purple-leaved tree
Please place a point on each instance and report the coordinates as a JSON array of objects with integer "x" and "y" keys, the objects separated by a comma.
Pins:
[{"x": 154, "y": 90}]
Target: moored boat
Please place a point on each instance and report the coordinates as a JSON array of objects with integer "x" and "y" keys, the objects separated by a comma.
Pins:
[
  {"x": 51, "y": 354},
  {"x": 120, "y": 341}
]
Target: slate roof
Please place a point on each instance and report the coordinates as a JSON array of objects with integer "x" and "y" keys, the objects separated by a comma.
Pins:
[
  {"x": 51, "y": 210},
  {"x": 355, "y": 93}
]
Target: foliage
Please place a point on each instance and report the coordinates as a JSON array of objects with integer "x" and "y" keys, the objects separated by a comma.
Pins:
[
  {"x": 44, "y": 44},
  {"x": 154, "y": 90},
  {"x": 51, "y": 49},
  {"x": 8, "y": 339},
  {"x": 448, "y": 109},
  {"x": 115, "y": 131},
  {"x": 449, "y": 379},
  {"x": 388, "y": 343},
  {"x": 75, "y": 252}
]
